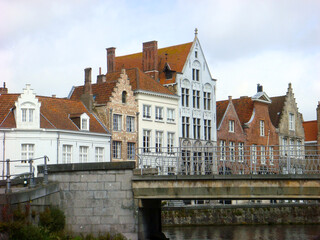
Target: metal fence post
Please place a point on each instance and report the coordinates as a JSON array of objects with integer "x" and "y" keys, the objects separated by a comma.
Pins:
[
  {"x": 32, "y": 183},
  {"x": 45, "y": 174},
  {"x": 8, "y": 188}
]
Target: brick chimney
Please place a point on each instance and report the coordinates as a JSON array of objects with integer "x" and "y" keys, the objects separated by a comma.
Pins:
[
  {"x": 111, "y": 60},
  {"x": 150, "y": 59},
  {"x": 87, "y": 97},
  {"x": 3, "y": 90},
  {"x": 259, "y": 88}
]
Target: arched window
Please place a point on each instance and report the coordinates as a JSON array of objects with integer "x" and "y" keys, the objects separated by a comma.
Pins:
[{"x": 124, "y": 97}]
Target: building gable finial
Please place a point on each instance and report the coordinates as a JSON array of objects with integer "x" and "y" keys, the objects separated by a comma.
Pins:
[{"x": 195, "y": 32}]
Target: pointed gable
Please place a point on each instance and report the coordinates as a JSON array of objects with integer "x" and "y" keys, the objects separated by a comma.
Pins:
[
  {"x": 244, "y": 108},
  {"x": 221, "y": 107},
  {"x": 276, "y": 109}
]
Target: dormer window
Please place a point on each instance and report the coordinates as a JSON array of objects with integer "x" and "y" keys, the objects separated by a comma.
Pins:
[
  {"x": 84, "y": 120},
  {"x": 27, "y": 115}
]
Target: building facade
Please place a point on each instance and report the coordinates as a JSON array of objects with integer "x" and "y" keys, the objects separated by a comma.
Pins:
[{"x": 63, "y": 130}]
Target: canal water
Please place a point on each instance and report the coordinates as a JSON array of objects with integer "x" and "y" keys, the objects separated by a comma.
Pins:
[{"x": 252, "y": 232}]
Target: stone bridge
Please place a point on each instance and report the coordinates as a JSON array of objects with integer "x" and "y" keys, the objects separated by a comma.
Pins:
[{"x": 115, "y": 197}]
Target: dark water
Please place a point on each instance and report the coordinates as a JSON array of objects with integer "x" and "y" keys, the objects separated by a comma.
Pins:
[{"x": 261, "y": 232}]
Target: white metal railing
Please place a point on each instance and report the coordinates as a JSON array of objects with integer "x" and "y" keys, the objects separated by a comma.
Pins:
[
  {"x": 225, "y": 160},
  {"x": 30, "y": 174}
]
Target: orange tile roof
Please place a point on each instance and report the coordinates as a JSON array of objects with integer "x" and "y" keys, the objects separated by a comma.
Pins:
[
  {"x": 221, "y": 109},
  {"x": 275, "y": 109},
  {"x": 310, "y": 130},
  {"x": 54, "y": 113},
  {"x": 244, "y": 108},
  {"x": 174, "y": 56},
  {"x": 138, "y": 80}
]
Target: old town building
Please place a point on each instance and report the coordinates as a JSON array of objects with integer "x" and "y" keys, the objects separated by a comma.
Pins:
[{"x": 63, "y": 130}]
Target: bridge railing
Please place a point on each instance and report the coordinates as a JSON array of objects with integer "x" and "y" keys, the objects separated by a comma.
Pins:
[
  {"x": 225, "y": 160},
  {"x": 30, "y": 175}
]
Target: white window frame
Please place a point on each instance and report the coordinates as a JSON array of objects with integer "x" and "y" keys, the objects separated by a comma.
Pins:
[
  {"x": 131, "y": 148},
  {"x": 254, "y": 153},
  {"x": 207, "y": 129},
  {"x": 170, "y": 142},
  {"x": 159, "y": 113},
  {"x": 27, "y": 114},
  {"x": 159, "y": 141},
  {"x": 146, "y": 111},
  {"x": 117, "y": 122},
  {"x": 195, "y": 74},
  {"x": 67, "y": 153},
  {"x": 196, "y": 128},
  {"x": 232, "y": 151},
  {"x": 271, "y": 155},
  {"x": 263, "y": 154},
  {"x": 241, "y": 151},
  {"x": 185, "y": 97},
  {"x": 231, "y": 126},
  {"x": 206, "y": 101},
  {"x": 116, "y": 149},
  {"x": 27, "y": 152},
  {"x": 262, "y": 128},
  {"x": 196, "y": 99},
  {"x": 185, "y": 127},
  {"x": 83, "y": 154},
  {"x": 222, "y": 150},
  {"x": 170, "y": 115},
  {"x": 99, "y": 154},
  {"x": 146, "y": 140},
  {"x": 130, "y": 123},
  {"x": 291, "y": 122}
]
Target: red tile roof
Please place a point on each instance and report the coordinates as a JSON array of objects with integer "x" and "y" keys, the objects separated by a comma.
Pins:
[
  {"x": 138, "y": 80},
  {"x": 54, "y": 113},
  {"x": 243, "y": 107},
  {"x": 275, "y": 109},
  {"x": 174, "y": 56},
  {"x": 310, "y": 130}
]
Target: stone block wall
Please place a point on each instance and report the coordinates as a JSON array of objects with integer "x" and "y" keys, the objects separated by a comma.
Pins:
[{"x": 97, "y": 200}]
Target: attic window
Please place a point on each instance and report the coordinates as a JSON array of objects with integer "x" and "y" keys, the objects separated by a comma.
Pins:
[
  {"x": 124, "y": 97},
  {"x": 84, "y": 120},
  {"x": 196, "y": 54}
]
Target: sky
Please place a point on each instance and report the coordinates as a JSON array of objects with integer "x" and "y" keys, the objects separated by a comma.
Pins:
[{"x": 48, "y": 44}]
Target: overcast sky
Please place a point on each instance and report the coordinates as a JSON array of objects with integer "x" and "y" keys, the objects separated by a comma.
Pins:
[{"x": 272, "y": 42}]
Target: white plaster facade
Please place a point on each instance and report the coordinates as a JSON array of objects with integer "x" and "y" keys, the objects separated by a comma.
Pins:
[
  {"x": 28, "y": 140},
  {"x": 164, "y": 130}
]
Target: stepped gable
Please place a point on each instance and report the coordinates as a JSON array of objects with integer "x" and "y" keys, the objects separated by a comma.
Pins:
[
  {"x": 275, "y": 109},
  {"x": 310, "y": 130},
  {"x": 138, "y": 80}
]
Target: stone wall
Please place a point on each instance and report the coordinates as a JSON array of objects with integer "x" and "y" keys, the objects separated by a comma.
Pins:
[
  {"x": 96, "y": 197},
  {"x": 220, "y": 215}
]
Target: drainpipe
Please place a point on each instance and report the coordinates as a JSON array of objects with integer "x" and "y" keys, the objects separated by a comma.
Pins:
[
  {"x": 58, "y": 142},
  {"x": 111, "y": 131},
  {"x": 4, "y": 153}
]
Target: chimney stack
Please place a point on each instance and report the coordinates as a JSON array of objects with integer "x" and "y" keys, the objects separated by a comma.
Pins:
[
  {"x": 259, "y": 88},
  {"x": 87, "y": 81},
  {"x": 150, "y": 59},
  {"x": 111, "y": 58},
  {"x": 4, "y": 90}
]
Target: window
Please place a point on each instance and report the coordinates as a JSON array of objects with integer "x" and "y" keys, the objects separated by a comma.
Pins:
[
  {"x": 170, "y": 115},
  {"x": 196, "y": 128},
  {"x": 130, "y": 124},
  {"x": 299, "y": 153},
  {"x": 131, "y": 151},
  {"x": 83, "y": 154},
  {"x": 231, "y": 150},
  {"x": 207, "y": 101},
  {"x": 147, "y": 111},
  {"x": 159, "y": 139},
  {"x": 185, "y": 97},
  {"x": 241, "y": 151},
  {"x": 263, "y": 154},
  {"x": 291, "y": 122},
  {"x": 207, "y": 129},
  {"x": 261, "y": 128},
  {"x": 195, "y": 74},
  {"x": 116, "y": 149},
  {"x": 231, "y": 125},
  {"x": 291, "y": 147},
  {"x": 84, "y": 124},
  {"x": 196, "y": 99},
  {"x": 284, "y": 146},
  {"x": 146, "y": 140},
  {"x": 117, "y": 122},
  {"x": 271, "y": 155},
  {"x": 185, "y": 127},
  {"x": 66, "y": 153},
  {"x": 99, "y": 154},
  {"x": 170, "y": 144},
  {"x": 27, "y": 114},
  {"x": 159, "y": 113},
  {"x": 124, "y": 97},
  {"x": 254, "y": 153},
  {"x": 196, "y": 54},
  {"x": 222, "y": 149},
  {"x": 27, "y": 152}
]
